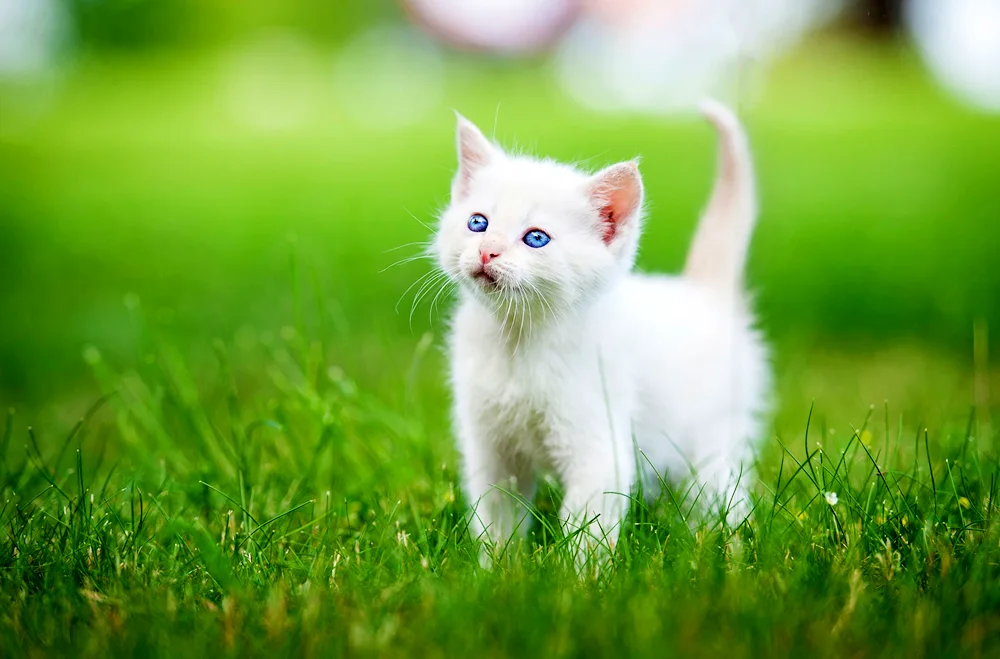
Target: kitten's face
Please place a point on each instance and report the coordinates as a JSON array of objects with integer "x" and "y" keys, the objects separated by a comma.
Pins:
[{"x": 520, "y": 231}]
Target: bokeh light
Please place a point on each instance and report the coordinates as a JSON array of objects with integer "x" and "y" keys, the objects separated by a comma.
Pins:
[
  {"x": 960, "y": 41},
  {"x": 663, "y": 56},
  {"x": 268, "y": 81},
  {"x": 389, "y": 77},
  {"x": 506, "y": 26},
  {"x": 32, "y": 34}
]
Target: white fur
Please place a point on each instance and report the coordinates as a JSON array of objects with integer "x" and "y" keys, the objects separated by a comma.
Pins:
[{"x": 572, "y": 362}]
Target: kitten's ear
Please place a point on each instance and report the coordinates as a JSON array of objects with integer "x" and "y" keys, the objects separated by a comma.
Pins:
[
  {"x": 474, "y": 151},
  {"x": 616, "y": 194}
]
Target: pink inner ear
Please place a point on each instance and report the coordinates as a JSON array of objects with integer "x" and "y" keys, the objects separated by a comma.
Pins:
[
  {"x": 473, "y": 153},
  {"x": 609, "y": 222},
  {"x": 619, "y": 191}
]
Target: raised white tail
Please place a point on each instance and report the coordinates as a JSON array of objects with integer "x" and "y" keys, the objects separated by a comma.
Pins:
[{"x": 719, "y": 250}]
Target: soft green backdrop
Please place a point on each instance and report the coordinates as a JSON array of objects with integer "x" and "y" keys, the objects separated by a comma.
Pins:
[{"x": 131, "y": 178}]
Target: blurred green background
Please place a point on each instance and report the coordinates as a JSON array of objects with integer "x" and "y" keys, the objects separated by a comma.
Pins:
[{"x": 190, "y": 171}]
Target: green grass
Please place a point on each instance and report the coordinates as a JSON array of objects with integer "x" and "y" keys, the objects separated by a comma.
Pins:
[
  {"x": 264, "y": 465},
  {"x": 305, "y": 517}
]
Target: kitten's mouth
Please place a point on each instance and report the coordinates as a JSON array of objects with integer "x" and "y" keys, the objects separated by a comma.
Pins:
[{"x": 485, "y": 279}]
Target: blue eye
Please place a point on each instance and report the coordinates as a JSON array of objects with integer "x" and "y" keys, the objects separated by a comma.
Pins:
[
  {"x": 536, "y": 238},
  {"x": 478, "y": 223}
]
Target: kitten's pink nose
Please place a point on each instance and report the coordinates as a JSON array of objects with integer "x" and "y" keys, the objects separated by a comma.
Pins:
[{"x": 488, "y": 252}]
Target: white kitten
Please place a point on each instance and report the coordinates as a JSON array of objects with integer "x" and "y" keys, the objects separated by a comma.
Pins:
[{"x": 565, "y": 360}]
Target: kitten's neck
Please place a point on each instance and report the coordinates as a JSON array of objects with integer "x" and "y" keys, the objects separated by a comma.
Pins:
[{"x": 517, "y": 324}]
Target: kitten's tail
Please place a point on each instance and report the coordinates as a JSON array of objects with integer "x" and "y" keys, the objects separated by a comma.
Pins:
[{"x": 718, "y": 253}]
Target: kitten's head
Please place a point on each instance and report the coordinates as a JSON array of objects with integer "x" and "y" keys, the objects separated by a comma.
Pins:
[{"x": 521, "y": 230}]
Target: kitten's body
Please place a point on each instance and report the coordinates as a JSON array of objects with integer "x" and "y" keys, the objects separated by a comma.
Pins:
[{"x": 566, "y": 361}]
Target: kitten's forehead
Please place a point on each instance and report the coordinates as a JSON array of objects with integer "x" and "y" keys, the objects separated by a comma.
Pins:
[{"x": 526, "y": 183}]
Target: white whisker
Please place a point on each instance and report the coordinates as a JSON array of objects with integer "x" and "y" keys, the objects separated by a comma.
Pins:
[
  {"x": 418, "y": 220},
  {"x": 424, "y": 290},
  {"x": 410, "y": 287},
  {"x": 419, "y": 243},
  {"x": 525, "y": 310},
  {"x": 404, "y": 261},
  {"x": 445, "y": 285}
]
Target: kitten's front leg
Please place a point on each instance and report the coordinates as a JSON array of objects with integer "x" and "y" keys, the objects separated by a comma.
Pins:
[
  {"x": 597, "y": 476},
  {"x": 496, "y": 485}
]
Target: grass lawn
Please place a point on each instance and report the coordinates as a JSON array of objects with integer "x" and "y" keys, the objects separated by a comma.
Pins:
[{"x": 223, "y": 437}]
